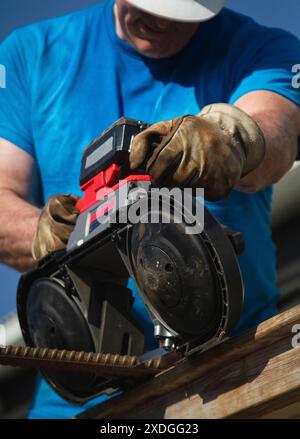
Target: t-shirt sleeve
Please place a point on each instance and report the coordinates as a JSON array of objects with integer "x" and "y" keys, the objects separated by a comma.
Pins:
[
  {"x": 267, "y": 61},
  {"x": 15, "y": 101}
]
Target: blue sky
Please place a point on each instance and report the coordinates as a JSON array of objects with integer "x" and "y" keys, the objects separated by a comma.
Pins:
[{"x": 16, "y": 13}]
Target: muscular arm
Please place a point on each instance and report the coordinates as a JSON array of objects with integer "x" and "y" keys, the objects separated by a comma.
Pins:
[
  {"x": 279, "y": 119},
  {"x": 18, "y": 215}
]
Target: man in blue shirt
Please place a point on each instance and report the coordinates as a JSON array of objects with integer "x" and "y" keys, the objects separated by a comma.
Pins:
[{"x": 69, "y": 78}]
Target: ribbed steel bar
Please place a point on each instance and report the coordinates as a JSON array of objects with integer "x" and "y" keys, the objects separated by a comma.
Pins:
[{"x": 109, "y": 365}]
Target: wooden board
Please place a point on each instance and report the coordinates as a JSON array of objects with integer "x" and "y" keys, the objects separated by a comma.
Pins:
[{"x": 254, "y": 375}]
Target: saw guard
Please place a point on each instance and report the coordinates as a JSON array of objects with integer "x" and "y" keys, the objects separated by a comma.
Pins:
[{"x": 215, "y": 256}]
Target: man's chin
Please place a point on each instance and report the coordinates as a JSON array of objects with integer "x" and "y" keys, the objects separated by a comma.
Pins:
[{"x": 150, "y": 50}]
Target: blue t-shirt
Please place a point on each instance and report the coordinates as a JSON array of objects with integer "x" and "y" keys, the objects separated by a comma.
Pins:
[{"x": 69, "y": 78}]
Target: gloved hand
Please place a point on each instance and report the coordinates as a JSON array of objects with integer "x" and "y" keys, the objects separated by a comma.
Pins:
[
  {"x": 56, "y": 223},
  {"x": 213, "y": 150}
]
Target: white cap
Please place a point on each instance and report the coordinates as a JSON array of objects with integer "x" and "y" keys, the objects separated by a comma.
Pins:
[{"x": 181, "y": 10}]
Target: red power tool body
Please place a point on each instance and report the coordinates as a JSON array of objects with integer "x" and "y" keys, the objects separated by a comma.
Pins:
[{"x": 105, "y": 169}]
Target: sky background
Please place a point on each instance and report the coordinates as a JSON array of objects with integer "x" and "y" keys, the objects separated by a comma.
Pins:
[{"x": 16, "y": 13}]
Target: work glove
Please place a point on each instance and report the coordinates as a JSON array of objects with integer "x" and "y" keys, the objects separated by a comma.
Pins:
[
  {"x": 213, "y": 150},
  {"x": 56, "y": 223}
]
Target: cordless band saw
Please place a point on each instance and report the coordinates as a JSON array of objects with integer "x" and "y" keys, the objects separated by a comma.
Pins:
[{"x": 77, "y": 299}]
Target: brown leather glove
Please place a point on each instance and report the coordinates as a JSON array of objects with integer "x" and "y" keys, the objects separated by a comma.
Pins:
[
  {"x": 213, "y": 150},
  {"x": 56, "y": 223}
]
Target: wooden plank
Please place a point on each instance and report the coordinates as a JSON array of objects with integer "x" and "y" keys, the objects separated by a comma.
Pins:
[
  {"x": 289, "y": 412},
  {"x": 249, "y": 376},
  {"x": 249, "y": 388}
]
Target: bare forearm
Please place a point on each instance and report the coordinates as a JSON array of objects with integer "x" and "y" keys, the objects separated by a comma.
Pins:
[
  {"x": 18, "y": 221},
  {"x": 281, "y": 130},
  {"x": 281, "y": 147}
]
